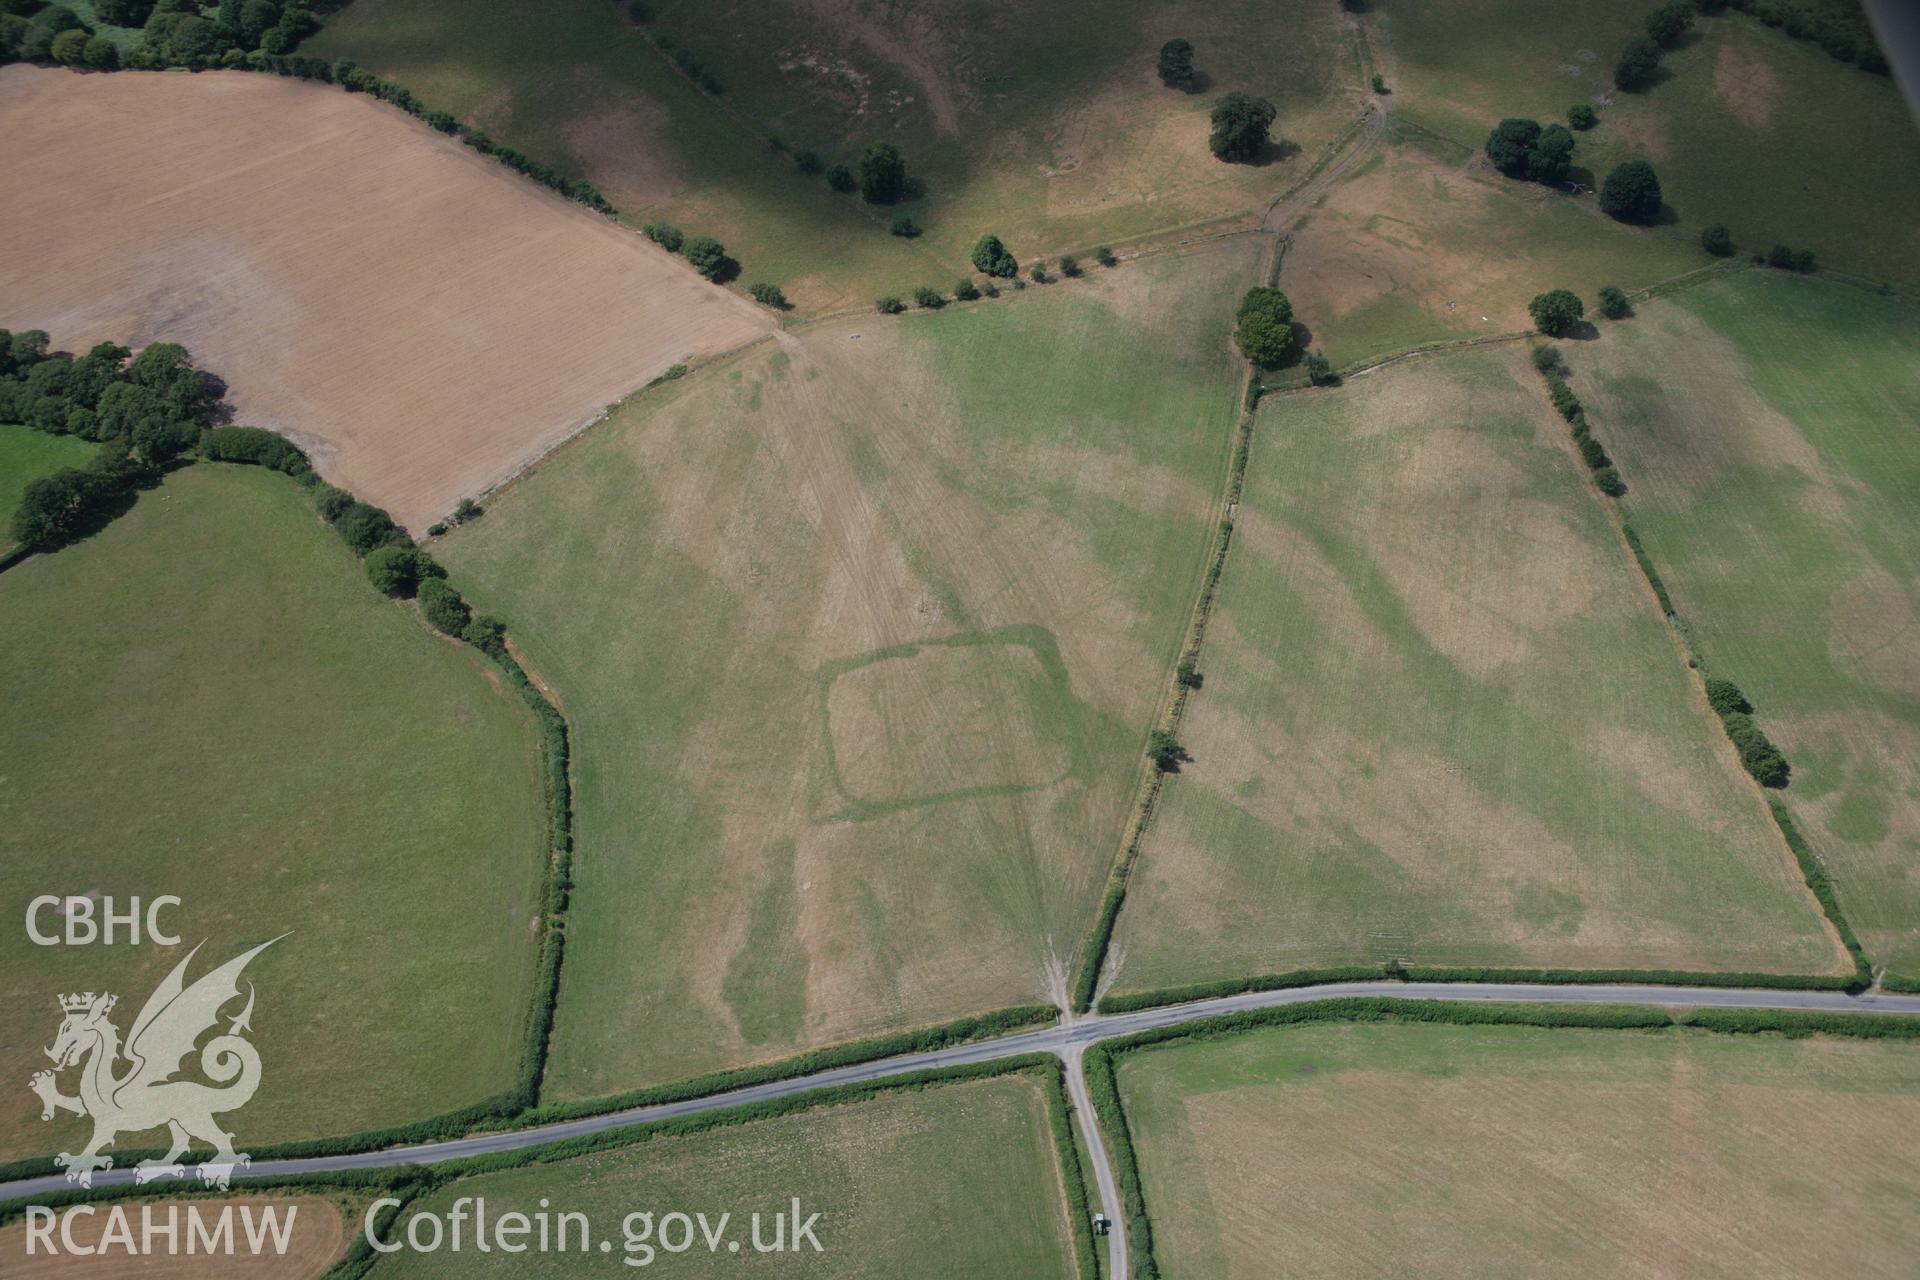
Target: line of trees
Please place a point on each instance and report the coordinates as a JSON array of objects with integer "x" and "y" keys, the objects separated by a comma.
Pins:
[
  {"x": 1547, "y": 360},
  {"x": 173, "y": 33}
]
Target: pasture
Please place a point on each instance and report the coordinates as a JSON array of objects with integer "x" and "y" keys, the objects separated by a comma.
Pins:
[
  {"x": 25, "y": 456},
  {"x": 1765, "y": 428},
  {"x": 1745, "y": 126},
  {"x": 954, "y": 1180},
  {"x": 420, "y": 319},
  {"x": 1443, "y": 721},
  {"x": 1410, "y": 249},
  {"x": 1368, "y": 1150},
  {"x": 207, "y": 699},
  {"x": 322, "y": 1229},
  {"x": 1041, "y": 122},
  {"x": 860, "y": 635}
]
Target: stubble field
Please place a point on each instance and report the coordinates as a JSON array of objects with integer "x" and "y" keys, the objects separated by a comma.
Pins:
[
  {"x": 208, "y": 700},
  {"x": 860, "y": 636},
  {"x": 1443, "y": 721},
  {"x": 1368, "y": 1150},
  {"x": 1765, "y": 427},
  {"x": 323, "y": 1228},
  {"x": 421, "y": 320}
]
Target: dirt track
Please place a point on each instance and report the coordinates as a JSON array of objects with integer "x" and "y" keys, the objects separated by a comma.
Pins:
[{"x": 423, "y": 320}]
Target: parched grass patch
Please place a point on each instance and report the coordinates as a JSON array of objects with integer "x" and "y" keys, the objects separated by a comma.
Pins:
[
  {"x": 1374, "y": 1149},
  {"x": 804, "y": 814},
  {"x": 1041, "y": 122},
  {"x": 25, "y": 456},
  {"x": 967, "y": 716},
  {"x": 207, "y": 699},
  {"x": 1443, "y": 721},
  {"x": 952, "y": 1180},
  {"x": 1765, "y": 428},
  {"x": 1745, "y": 126}
]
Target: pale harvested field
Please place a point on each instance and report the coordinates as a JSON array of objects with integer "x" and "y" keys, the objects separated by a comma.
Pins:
[
  {"x": 1505, "y": 1151},
  {"x": 419, "y": 317},
  {"x": 319, "y": 1234},
  {"x": 1443, "y": 720}
]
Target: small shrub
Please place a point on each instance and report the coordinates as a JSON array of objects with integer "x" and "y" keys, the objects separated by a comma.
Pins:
[
  {"x": 664, "y": 234},
  {"x": 883, "y": 174},
  {"x": 841, "y": 179},
  {"x": 467, "y": 509},
  {"x": 1556, "y": 311},
  {"x": 1725, "y": 697},
  {"x": 1631, "y": 192},
  {"x": 332, "y": 503},
  {"x": 931, "y": 299},
  {"x": 965, "y": 290},
  {"x": 364, "y": 527},
  {"x": 444, "y": 607},
  {"x": 1780, "y": 257},
  {"x": 991, "y": 257},
  {"x": 902, "y": 224},
  {"x": 1582, "y": 117},
  {"x": 1188, "y": 674},
  {"x": 1165, "y": 750},
  {"x": 768, "y": 295},
  {"x": 1592, "y": 453},
  {"x": 1104, "y": 256},
  {"x": 1613, "y": 303},
  {"x": 489, "y": 635},
  {"x": 394, "y": 570},
  {"x": 1716, "y": 239},
  {"x": 1320, "y": 370},
  {"x": 1176, "y": 65},
  {"x": 889, "y": 305},
  {"x": 1070, "y": 266},
  {"x": 1638, "y": 61},
  {"x": 1610, "y": 482},
  {"x": 1379, "y": 83},
  {"x": 1546, "y": 358},
  {"x": 437, "y": 528},
  {"x": 709, "y": 258}
]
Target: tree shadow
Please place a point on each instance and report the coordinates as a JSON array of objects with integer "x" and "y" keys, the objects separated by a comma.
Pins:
[
  {"x": 1582, "y": 331},
  {"x": 1200, "y": 82},
  {"x": 727, "y": 270},
  {"x": 1665, "y": 216},
  {"x": 1275, "y": 151},
  {"x": 1580, "y": 176}
]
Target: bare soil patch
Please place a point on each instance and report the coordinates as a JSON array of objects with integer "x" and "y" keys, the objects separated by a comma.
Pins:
[{"x": 419, "y": 317}]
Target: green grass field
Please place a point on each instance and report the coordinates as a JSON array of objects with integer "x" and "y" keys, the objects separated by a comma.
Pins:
[
  {"x": 1746, "y": 127},
  {"x": 952, "y": 1180},
  {"x": 1765, "y": 427},
  {"x": 1443, "y": 721},
  {"x": 860, "y": 634},
  {"x": 1041, "y": 122},
  {"x": 208, "y": 700},
  {"x": 1369, "y": 1150},
  {"x": 26, "y": 455}
]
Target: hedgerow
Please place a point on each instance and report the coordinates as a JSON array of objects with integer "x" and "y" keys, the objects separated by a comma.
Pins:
[{"x": 1067, "y": 1151}]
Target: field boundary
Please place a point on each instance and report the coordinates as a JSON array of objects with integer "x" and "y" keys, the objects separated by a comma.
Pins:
[
  {"x": 1103, "y": 1084},
  {"x": 1173, "y": 704},
  {"x": 1813, "y": 872}
]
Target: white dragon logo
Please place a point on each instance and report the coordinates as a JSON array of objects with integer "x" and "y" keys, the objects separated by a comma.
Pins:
[{"x": 146, "y": 1095}]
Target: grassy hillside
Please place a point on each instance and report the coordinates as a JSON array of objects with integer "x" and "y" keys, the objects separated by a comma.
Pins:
[
  {"x": 1475, "y": 1151},
  {"x": 1765, "y": 427},
  {"x": 25, "y": 456},
  {"x": 1043, "y": 123},
  {"x": 1410, "y": 249},
  {"x": 860, "y": 634},
  {"x": 1745, "y": 126},
  {"x": 208, "y": 700},
  {"x": 954, "y": 1180},
  {"x": 1443, "y": 720}
]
